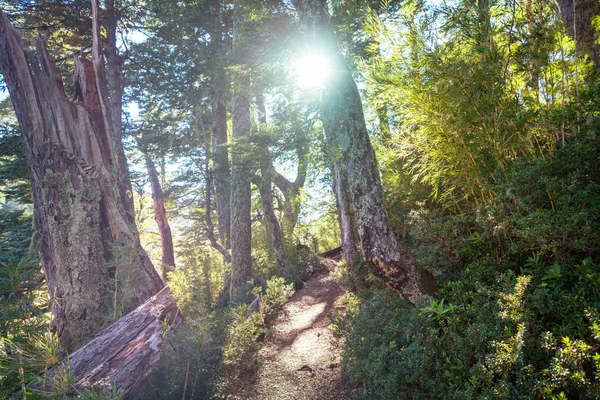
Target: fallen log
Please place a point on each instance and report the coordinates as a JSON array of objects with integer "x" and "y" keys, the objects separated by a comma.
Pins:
[
  {"x": 122, "y": 355},
  {"x": 335, "y": 254}
]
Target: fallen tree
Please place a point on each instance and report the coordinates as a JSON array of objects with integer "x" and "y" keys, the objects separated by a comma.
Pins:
[{"x": 122, "y": 355}]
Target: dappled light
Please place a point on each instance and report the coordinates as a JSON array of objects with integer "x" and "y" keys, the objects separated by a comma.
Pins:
[{"x": 305, "y": 199}]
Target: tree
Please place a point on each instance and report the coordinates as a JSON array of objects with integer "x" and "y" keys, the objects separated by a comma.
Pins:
[
  {"x": 578, "y": 16},
  {"x": 241, "y": 222},
  {"x": 82, "y": 210},
  {"x": 160, "y": 215},
  {"x": 342, "y": 115}
]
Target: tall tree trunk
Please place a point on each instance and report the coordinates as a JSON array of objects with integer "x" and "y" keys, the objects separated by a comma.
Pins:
[
  {"x": 219, "y": 84},
  {"x": 222, "y": 175},
  {"x": 114, "y": 64},
  {"x": 578, "y": 16},
  {"x": 241, "y": 222},
  {"x": 210, "y": 229},
  {"x": 160, "y": 216},
  {"x": 84, "y": 230},
  {"x": 342, "y": 115}
]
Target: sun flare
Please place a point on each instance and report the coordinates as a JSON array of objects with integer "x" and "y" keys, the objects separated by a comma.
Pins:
[{"x": 312, "y": 70}]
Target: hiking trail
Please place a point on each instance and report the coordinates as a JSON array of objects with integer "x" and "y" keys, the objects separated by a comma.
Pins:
[{"x": 302, "y": 359}]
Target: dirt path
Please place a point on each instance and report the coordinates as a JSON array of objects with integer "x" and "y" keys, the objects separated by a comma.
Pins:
[{"x": 301, "y": 361}]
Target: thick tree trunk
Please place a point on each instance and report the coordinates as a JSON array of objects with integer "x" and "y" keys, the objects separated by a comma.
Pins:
[
  {"x": 122, "y": 355},
  {"x": 578, "y": 17},
  {"x": 160, "y": 216},
  {"x": 342, "y": 115},
  {"x": 241, "y": 222},
  {"x": 85, "y": 237}
]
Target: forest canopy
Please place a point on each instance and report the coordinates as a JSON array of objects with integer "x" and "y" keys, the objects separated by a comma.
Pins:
[{"x": 218, "y": 150}]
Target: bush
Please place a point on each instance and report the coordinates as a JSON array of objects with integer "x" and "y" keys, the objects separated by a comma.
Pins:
[{"x": 506, "y": 337}]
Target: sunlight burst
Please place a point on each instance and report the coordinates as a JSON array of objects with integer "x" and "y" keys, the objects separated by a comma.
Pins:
[{"x": 312, "y": 70}]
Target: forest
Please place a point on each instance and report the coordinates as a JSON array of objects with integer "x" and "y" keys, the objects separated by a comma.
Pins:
[{"x": 300, "y": 199}]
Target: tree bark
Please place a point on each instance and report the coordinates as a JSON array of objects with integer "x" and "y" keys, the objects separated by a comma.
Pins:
[
  {"x": 271, "y": 223},
  {"x": 342, "y": 115},
  {"x": 340, "y": 185},
  {"x": 160, "y": 216},
  {"x": 578, "y": 17},
  {"x": 208, "y": 209},
  {"x": 265, "y": 185},
  {"x": 221, "y": 172},
  {"x": 82, "y": 222},
  {"x": 241, "y": 222},
  {"x": 122, "y": 355}
]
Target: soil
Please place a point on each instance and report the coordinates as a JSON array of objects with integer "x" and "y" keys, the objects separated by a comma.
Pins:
[{"x": 302, "y": 360}]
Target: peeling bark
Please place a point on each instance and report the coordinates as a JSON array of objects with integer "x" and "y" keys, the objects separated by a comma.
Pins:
[
  {"x": 82, "y": 221},
  {"x": 160, "y": 216},
  {"x": 342, "y": 115},
  {"x": 122, "y": 355}
]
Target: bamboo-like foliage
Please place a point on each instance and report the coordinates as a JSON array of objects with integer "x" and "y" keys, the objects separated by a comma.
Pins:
[{"x": 466, "y": 86}]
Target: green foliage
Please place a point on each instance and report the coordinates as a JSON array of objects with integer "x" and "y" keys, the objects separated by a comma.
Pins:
[
  {"x": 484, "y": 339},
  {"x": 275, "y": 295}
]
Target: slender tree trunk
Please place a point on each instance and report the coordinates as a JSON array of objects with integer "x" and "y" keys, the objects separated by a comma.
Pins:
[
  {"x": 114, "y": 64},
  {"x": 219, "y": 84},
  {"x": 241, "y": 222},
  {"x": 342, "y": 115},
  {"x": 266, "y": 193},
  {"x": 160, "y": 216},
  {"x": 208, "y": 209},
  {"x": 221, "y": 171},
  {"x": 578, "y": 16},
  {"x": 85, "y": 235},
  {"x": 291, "y": 192},
  {"x": 271, "y": 223},
  {"x": 340, "y": 185}
]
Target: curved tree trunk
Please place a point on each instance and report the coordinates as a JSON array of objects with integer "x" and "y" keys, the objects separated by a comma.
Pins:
[
  {"x": 271, "y": 222},
  {"x": 82, "y": 220},
  {"x": 160, "y": 216},
  {"x": 342, "y": 115}
]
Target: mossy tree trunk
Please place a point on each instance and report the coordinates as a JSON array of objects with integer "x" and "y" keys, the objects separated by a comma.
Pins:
[
  {"x": 88, "y": 245},
  {"x": 342, "y": 115}
]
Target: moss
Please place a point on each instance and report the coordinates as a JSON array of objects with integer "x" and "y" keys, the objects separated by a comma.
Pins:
[{"x": 81, "y": 296}]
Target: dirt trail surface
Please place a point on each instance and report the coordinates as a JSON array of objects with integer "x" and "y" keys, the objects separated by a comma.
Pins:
[{"x": 302, "y": 361}]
